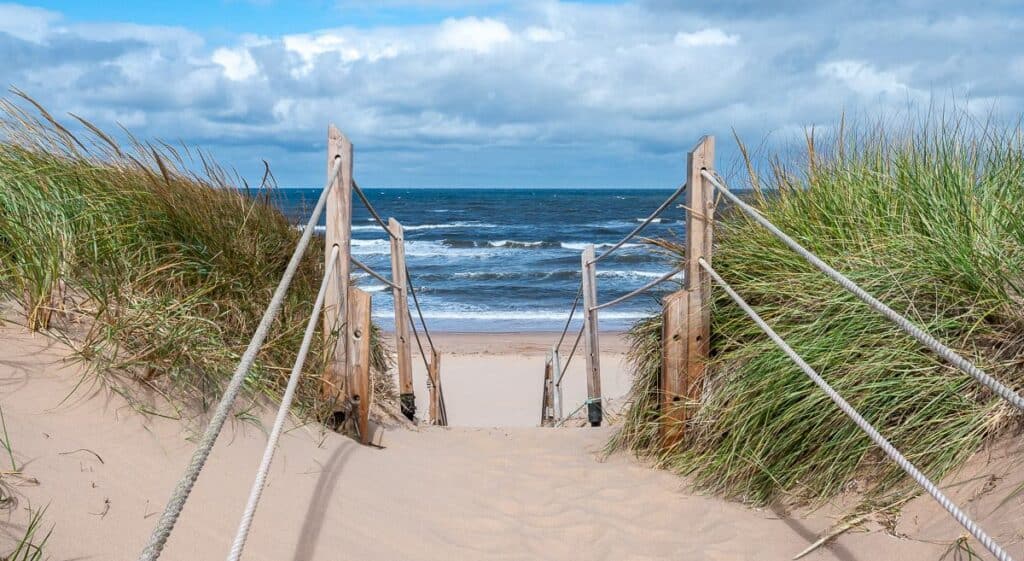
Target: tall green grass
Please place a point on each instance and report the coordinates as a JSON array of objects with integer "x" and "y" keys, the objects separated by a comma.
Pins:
[
  {"x": 150, "y": 268},
  {"x": 930, "y": 219}
]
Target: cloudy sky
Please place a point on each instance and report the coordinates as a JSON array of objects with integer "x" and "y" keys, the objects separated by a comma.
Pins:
[{"x": 535, "y": 93}]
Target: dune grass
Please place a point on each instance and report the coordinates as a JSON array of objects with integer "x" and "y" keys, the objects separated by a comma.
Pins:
[
  {"x": 928, "y": 218},
  {"x": 31, "y": 545},
  {"x": 150, "y": 268}
]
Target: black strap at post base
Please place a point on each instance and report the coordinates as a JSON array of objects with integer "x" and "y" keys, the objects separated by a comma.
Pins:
[
  {"x": 594, "y": 413},
  {"x": 409, "y": 406}
]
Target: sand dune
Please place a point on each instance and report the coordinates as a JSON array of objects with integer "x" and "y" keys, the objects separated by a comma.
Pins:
[{"x": 431, "y": 494}]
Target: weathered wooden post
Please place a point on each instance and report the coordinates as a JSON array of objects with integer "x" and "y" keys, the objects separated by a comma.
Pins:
[
  {"x": 547, "y": 406},
  {"x": 686, "y": 314},
  {"x": 438, "y": 414},
  {"x": 403, "y": 345},
  {"x": 590, "y": 339},
  {"x": 556, "y": 360},
  {"x": 338, "y": 233},
  {"x": 358, "y": 337}
]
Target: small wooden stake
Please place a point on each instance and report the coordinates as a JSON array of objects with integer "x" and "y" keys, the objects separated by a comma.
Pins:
[
  {"x": 592, "y": 347},
  {"x": 358, "y": 325},
  {"x": 339, "y": 233},
  {"x": 403, "y": 345},
  {"x": 686, "y": 331}
]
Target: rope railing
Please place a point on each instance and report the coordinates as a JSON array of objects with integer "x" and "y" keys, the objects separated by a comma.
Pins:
[
  {"x": 640, "y": 290},
  {"x": 572, "y": 312},
  {"x": 591, "y": 307},
  {"x": 282, "y": 414},
  {"x": 862, "y": 423},
  {"x": 442, "y": 409},
  {"x": 661, "y": 208},
  {"x": 427, "y": 363},
  {"x": 184, "y": 487},
  {"x": 372, "y": 273},
  {"x": 568, "y": 417},
  {"x": 568, "y": 359},
  {"x": 419, "y": 310},
  {"x": 369, "y": 208},
  {"x": 902, "y": 322}
]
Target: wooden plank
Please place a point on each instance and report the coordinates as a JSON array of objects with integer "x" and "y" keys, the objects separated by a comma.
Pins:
[
  {"x": 358, "y": 327},
  {"x": 403, "y": 343},
  {"x": 592, "y": 348},
  {"x": 675, "y": 317},
  {"x": 339, "y": 232}
]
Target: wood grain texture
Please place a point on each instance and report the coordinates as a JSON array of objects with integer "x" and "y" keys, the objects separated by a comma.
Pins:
[
  {"x": 687, "y": 313},
  {"x": 675, "y": 319},
  {"x": 358, "y": 325},
  {"x": 403, "y": 343},
  {"x": 338, "y": 232}
]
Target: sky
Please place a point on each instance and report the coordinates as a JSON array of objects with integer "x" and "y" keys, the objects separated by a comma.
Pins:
[{"x": 491, "y": 93}]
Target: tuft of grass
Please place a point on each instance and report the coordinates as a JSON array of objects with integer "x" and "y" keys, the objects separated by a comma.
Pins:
[
  {"x": 152, "y": 261},
  {"x": 30, "y": 545},
  {"x": 929, "y": 218},
  {"x": 5, "y": 441}
]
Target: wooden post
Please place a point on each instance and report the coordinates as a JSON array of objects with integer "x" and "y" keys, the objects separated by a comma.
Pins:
[
  {"x": 438, "y": 414},
  {"x": 673, "y": 366},
  {"x": 591, "y": 349},
  {"x": 403, "y": 345},
  {"x": 547, "y": 407},
  {"x": 338, "y": 233},
  {"x": 358, "y": 327},
  {"x": 556, "y": 373},
  {"x": 686, "y": 331}
]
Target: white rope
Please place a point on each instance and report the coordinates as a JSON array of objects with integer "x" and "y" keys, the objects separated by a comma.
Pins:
[
  {"x": 679, "y": 191},
  {"x": 282, "y": 415},
  {"x": 373, "y": 273},
  {"x": 640, "y": 290},
  {"x": 580, "y": 408},
  {"x": 865, "y": 426},
  {"x": 184, "y": 487},
  {"x": 903, "y": 323}
]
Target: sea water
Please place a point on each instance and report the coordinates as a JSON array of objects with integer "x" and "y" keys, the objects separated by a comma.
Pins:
[{"x": 509, "y": 259}]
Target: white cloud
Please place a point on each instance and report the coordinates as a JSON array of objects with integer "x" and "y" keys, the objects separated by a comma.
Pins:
[
  {"x": 706, "y": 38},
  {"x": 472, "y": 34},
  {"x": 543, "y": 35},
  {"x": 621, "y": 101},
  {"x": 24, "y": 22},
  {"x": 865, "y": 79},
  {"x": 238, "y": 63}
]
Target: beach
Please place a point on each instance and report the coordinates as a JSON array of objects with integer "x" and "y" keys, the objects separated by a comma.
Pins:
[
  {"x": 496, "y": 379},
  {"x": 469, "y": 492}
]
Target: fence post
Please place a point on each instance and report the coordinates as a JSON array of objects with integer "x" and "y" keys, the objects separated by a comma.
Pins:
[
  {"x": 557, "y": 375},
  {"x": 438, "y": 414},
  {"x": 358, "y": 336},
  {"x": 338, "y": 233},
  {"x": 686, "y": 315},
  {"x": 590, "y": 338},
  {"x": 547, "y": 407},
  {"x": 403, "y": 345}
]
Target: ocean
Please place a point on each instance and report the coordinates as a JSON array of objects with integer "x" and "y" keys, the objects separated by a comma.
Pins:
[{"x": 503, "y": 260}]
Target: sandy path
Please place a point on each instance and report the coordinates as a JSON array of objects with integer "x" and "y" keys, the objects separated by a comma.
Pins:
[{"x": 434, "y": 494}]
